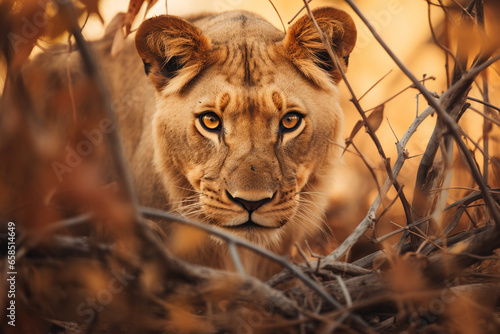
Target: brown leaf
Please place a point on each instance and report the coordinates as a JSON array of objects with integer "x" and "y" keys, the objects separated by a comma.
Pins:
[
  {"x": 375, "y": 119},
  {"x": 355, "y": 129},
  {"x": 21, "y": 25},
  {"x": 59, "y": 23},
  {"x": 133, "y": 9},
  {"x": 115, "y": 28},
  {"x": 151, "y": 3},
  {"x": 117, "y": 22},
  {"x": 118, "y": 43},
  {"x": 92, "y": 7}
]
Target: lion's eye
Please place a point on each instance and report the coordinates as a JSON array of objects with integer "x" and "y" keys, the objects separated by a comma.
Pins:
[
  {"x": 291, "y": 121},
  {"x": 210, "y": 121}
]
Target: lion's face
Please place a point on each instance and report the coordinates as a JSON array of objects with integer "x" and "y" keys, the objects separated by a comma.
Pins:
[{"x": 247, "y": 122}]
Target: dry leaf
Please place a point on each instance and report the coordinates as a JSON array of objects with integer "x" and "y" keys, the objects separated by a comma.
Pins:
[
  {"x": 20, "y": 32},
  {"x": 116, "y": 23},
  {"x": 92, "y": 7},
  {"x": 118, "y": 43},
  {"x": 151, "y": 3},
  {"x": 115, "y": 28},
  {"x": 375, "y": 119},
  {"x": 133, "y": 9}
]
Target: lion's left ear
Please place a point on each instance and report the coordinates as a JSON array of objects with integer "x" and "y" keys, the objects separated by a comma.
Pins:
[
  {"x": 307, "y": 51},
  {"x": 173, "y": 51}
]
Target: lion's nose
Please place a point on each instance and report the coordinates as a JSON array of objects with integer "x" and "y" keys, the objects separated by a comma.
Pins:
[{"x": 250, "y": 206}]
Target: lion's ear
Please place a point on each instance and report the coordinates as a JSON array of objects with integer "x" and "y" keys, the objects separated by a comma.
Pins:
[
  {"x": 307, "y": 51},
  {"x": 172, "y": 49}
]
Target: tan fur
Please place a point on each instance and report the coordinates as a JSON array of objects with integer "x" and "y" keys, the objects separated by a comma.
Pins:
[{"x": 250, "y": 74}]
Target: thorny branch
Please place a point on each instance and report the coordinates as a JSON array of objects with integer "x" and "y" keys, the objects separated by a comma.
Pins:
[
  {"x": 447, "y": 119},
  {"x": 230, "y": 239},
  {"x": 446, "y": 99},
  {"x": 367, "y": 124}
]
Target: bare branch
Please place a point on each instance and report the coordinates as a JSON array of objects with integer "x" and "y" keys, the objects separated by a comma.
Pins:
[
  {"x": 368, "y": 126},
  {"x": 236, "y": 258},
  {"x": 112, "y": 137},
  {"x": 489, "y": 105},
  {"x": 279, "y": 16},
  {"x": 363, "y": 226},
  {"x": 153, "y": 213},
  {"x": 447, "y": 119},
  {"x": 298, "y": 13}
]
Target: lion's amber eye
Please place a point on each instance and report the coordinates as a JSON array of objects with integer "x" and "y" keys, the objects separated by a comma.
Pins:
[
  {"x": 291, "y": 122},
  {"x": 210, "y": 121}
]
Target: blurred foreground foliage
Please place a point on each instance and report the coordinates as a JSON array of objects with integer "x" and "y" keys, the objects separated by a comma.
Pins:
[{"x": 88, "y": 261}]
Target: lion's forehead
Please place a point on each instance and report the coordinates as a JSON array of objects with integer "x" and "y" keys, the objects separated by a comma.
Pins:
[
  {"x": 237, "y": 26},
  {"x": 243, "y": 46},
  {"x": 247, "y": 63}
]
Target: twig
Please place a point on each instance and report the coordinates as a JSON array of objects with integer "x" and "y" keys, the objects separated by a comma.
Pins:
[
  {"x": 236, "y": 258},
  {"x": 36, "y": 236},
  {"x": 382, "y": 214},
  {"x": 447, "y": 119},
  {"x": 277, "y": 12},
  {"x": 298, "y": 13},
  {"x": 368, "y": 166},
  {"x": 461, "y": 57},
  {"x": 400, "y": 230},
  {"x": 375, "y": 84},
  {"x": 355, "y": 101},
  {"x": 399, "y": 93},
  {"x": 489, "y": 105},
  {"x": 70, "y": 82},
  {"x": 433, "y": 33},
  {"x": 448, "y": 264},
  {"x": 112, "y": 137},
  {"x": 486, "y": 123},
  {"x": 462, "y": 206},
  {"x": 248, "y": 289},
  {"x": 431, "y": 173},
  {"x": 302, "y": 254},
  {"x": 347, "y": 295},
  {"x": 447, "y": 52},
  {"x": 154, "y": 213},
  {"x": 370, "y": 216}
]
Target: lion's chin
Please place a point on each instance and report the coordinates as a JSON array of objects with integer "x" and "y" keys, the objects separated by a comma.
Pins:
[
  {"x": 266, "y": 237},
  {"x": 250, "y": 225}
]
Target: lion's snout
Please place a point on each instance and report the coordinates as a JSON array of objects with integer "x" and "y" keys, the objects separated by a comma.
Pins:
[{"x": 249, "y": 205}]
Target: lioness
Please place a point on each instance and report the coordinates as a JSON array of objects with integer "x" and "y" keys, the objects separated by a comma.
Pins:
[{"x": 234, "y": 124}]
